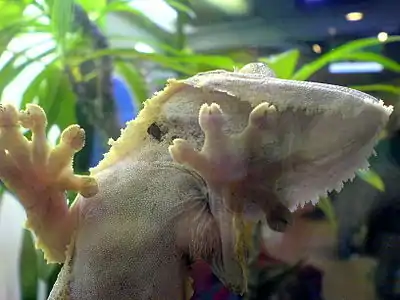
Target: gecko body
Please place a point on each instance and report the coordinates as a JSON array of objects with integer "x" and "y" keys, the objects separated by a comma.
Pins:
[{"x": 203, "y": 156}]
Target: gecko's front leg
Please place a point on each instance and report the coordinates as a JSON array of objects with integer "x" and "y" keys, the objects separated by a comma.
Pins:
[
  {"x": 40, "y": 175},
  {"x": 225, "y": 163}
]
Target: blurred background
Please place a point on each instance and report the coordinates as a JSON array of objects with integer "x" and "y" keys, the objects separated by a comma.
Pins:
[{"x": 94, "y": 62}]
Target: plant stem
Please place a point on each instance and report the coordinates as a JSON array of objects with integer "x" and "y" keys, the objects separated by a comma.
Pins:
[{"x": 96, "y": 95}]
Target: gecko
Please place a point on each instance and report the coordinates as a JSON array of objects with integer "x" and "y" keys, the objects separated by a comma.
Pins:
[{"x": 204, "y": 156}]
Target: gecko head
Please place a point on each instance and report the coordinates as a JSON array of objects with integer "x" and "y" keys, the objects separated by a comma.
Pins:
[
  {"x": 321, "y": 136},
  {"x": 323, "y": 133}
]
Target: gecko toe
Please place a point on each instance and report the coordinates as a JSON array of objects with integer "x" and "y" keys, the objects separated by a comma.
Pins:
[
  {"x": 8, "y": 116},
  {"x": 263, "y": 116},
  {"x": 33, "y": 117},
  {"x": 11, "y": 138},
  {"x": 211, "y": 118},
  {"x": 89, "y": 186},
  {"x": 73, "y": 137},
  {"x": 180, "y": 150}
]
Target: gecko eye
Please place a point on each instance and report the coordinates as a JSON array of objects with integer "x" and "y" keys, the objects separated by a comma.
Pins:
[
  {"x": 257, "y": 68},
  {"x": 155, "y": 131},
  {"x": 279, "y": 219}
]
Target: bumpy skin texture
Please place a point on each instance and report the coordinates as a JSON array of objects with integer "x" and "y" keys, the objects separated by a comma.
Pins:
[
  {"x": 203, "y": 156},
  {"x": 148, "y": 244}
]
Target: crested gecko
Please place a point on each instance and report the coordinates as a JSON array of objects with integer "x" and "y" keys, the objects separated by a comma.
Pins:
[{"x": 204, "y": 156}]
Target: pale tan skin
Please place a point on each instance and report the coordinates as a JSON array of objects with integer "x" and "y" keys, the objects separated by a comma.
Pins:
[{"x": 220, "y": 150}]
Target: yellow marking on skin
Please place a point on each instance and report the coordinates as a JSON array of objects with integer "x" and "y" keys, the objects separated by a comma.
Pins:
[
  {"x": 241, "y": 245},
  {"x": 189, "y": 288},
  {"x": 133, "y": 136}
]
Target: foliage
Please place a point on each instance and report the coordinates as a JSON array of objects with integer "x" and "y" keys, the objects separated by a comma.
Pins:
[
  {"x": 55, "y": 86},
  {"x": 266, "y": 279}
]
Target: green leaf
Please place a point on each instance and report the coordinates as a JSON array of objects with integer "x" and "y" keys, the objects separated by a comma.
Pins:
[
  {"x": 17, "y": 25},
  {"x": 10, "y": 11},
  {"x": 137, "y": 18},
  {"x": 186, "y": 63},
  {"x": 339, "y": 53},
  {"x": 373, "y": 57},
  {"x": 44, "y": 269},
  {"x": 93, "y": 6},
  {"x": 33, "y": 89},
  {"x": 134, "y": 78},
  {"x": 61, "y": 21},
  {"x": 1, "y": 194},
  {"x": 10, "y": 71},
  {"x": 158, "y": 46},
  {"x": 57, "y": 98},
  {"x": 372, "y": 178},
  {"x": 165, "y": 61},
  {"x": 180, "y": 7},
  {"x": 28, "y": 267},
  {"x": 325, "y": 204},
  {"x": 12, "y": 22},
  {"x": 377, "y": 88},
  {"x": 211, "y": 61},
  {"x": 283, "y": 64}
]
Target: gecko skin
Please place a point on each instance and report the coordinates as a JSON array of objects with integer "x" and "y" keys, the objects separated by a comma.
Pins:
[{"x": 203, "y": 156}]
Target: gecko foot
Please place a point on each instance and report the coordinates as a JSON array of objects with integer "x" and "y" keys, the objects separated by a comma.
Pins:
[
  {"x": 60, "y": 163},
  {"x": 40, "y": 174},
  {"x": 219, "y": 161},
  {"x": 224, "y": 160},
  {"x": 34, "y": 158}
]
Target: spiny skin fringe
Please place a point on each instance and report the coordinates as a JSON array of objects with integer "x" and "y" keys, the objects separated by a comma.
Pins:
[
  {"x": 363, "y": 164},
  {"x": 135, "y": 133},
  {"x": 234, "y": 84}
]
